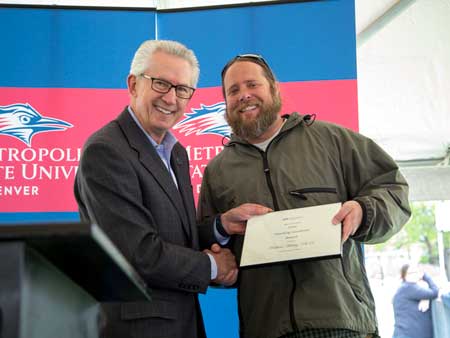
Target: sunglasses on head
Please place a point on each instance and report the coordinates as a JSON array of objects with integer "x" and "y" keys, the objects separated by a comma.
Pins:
[{"x": 258, "y": 58}]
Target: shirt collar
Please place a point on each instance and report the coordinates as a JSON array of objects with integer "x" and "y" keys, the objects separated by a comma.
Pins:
[{"x": 168, "y": 141}]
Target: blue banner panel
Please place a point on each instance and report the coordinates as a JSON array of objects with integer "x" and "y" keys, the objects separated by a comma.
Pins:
[
  {"x": 70, "y": 48},
  {"x": 38, "y": 217},
  {"x": 220, "y": 312},
  {"x": 302, "y": 41}
]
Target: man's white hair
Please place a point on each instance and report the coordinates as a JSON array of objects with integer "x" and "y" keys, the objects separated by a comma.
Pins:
[{"x": 143, "y": 54}]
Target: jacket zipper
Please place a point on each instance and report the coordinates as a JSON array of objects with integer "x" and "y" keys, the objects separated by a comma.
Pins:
[
  {"x": 269, "y": 180},
  {"x": 277, "y": 208},
  {"x": 291, "y": 299}
]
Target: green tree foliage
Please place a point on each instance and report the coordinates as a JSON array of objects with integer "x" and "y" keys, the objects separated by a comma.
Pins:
[{"x": 421, "y": 230}]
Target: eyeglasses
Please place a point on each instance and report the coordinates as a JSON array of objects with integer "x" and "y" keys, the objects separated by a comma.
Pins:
[
  {"x": 163, "y": 87},
  {"x": 256, "y": 57}
]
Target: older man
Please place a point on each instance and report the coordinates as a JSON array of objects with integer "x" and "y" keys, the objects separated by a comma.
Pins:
[
  {"x": 286, "y": 162},
  {"x": 133, "y": 181}
]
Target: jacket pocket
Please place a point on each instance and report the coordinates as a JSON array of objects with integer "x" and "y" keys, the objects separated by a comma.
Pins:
[
  {"x": 352, "y": 262},
  {"x": 309, "y": 193},
  {"x": 350, "y": 285},
  {"x": 156, "y": 308}
]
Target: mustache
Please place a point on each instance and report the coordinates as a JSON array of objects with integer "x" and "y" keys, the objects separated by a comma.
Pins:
[{"x": 246, "y": 104}]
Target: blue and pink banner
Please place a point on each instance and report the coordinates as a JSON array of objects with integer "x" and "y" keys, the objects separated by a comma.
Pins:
[
  {"x": 63, "y": 76},
  {"x": 71, "y": 65}
]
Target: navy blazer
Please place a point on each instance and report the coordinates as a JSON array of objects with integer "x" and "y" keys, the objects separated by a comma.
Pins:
[{"x": 123, "y": 186}]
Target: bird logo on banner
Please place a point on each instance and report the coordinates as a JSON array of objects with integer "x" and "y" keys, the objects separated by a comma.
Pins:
[
  {"x": 205, "y": 120},
  {"x": 22, "y": 121}
]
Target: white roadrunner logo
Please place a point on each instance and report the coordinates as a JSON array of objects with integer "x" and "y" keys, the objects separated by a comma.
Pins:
[{"x": 22, "y": 121}]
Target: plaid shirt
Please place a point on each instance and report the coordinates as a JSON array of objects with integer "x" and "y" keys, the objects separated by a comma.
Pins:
[{"x": 325, "y": 333}]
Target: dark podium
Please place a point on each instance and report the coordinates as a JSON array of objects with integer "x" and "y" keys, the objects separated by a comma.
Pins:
[{"x": 53, "y": 276}]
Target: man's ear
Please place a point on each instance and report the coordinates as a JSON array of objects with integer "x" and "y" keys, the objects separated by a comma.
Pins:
[
  {"x": 132, "y": 83},
  {"x": 277, "y": 88},
  {"x": 226, "y": 110}
]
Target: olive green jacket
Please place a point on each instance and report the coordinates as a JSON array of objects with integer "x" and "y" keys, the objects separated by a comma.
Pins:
[{"x": 307, "y": 165}]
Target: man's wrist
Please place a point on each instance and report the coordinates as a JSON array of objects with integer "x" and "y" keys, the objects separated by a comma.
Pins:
[
  {"x": 220, "y": 228},
  {"x": 213, "y": 266}
]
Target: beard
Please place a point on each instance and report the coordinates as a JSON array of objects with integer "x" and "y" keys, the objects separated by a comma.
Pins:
[{"x": 249, "y": 129}]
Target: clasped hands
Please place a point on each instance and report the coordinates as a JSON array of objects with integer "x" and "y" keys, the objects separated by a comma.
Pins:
[
  {"x": 234, "y": 222},
  {"x": 227, "y": 270}
]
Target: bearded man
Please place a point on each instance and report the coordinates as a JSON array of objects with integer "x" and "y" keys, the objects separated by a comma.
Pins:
[{"x": 285, "y": 162}]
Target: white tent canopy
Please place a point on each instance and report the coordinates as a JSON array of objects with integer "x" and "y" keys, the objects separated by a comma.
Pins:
[
  {"x": 404, "y": 76},
  {"x": 404, "y": 85}
]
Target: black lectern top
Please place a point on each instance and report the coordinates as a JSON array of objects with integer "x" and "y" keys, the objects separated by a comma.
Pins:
[{"x": 86, "y": 255}]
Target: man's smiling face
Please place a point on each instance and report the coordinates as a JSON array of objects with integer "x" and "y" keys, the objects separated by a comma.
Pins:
[{"x": 159, "y": 112}]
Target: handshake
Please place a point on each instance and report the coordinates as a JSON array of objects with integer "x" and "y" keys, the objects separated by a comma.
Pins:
[
  {"x": 227, "y": 269},
  {"x": 234, "y": 222}
]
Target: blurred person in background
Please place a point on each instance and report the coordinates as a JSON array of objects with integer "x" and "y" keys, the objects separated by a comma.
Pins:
[{"x": 411, "y": 303}]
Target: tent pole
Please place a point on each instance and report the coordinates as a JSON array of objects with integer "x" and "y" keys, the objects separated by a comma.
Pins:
[{"x": 376, "y": 25}]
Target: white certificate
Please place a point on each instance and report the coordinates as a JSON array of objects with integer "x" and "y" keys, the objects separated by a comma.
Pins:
[{"x": 292, "y": 235}]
